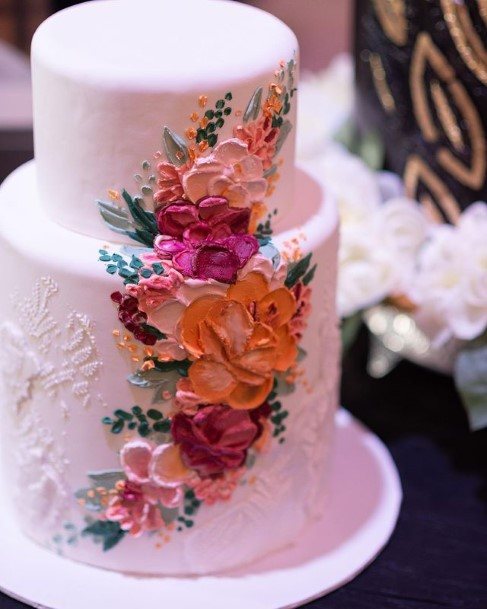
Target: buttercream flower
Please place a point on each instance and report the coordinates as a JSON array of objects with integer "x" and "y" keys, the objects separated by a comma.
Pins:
[
  {"x": 155, "y": 476},
  {"x": 450, "y": 282},
  {"x": 221, "y": 488},
  {"x": 136, "y": 509},
  {"x": 206, "y": 240},
  {"x": 169, "y": 182},
  {"x": 154, "y": 291},
  {"x": 185, "y": 399},
  {"x": 239, "y": 341},
  {"x": 215, "y": 439},
  {"x": 229, "y": 171},
  {"x": 133, "y": 318},
  {"x": 261, "y": 139}
]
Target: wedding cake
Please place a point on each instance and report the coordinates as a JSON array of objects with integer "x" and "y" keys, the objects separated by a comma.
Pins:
[{"x": 168, "y": 336}]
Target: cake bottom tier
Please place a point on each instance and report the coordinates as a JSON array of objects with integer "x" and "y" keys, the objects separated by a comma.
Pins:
[{"x": 67, "y": 407}]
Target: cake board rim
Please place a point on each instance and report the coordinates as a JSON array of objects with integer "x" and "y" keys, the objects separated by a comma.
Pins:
[{"x": 365, "y": 495}]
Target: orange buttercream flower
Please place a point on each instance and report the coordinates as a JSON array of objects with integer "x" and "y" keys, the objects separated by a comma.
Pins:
[{"x": 239, "y": 341}]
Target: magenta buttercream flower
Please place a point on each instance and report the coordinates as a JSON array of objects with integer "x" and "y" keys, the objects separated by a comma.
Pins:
[
  {"x": 207, "y": 240},
  {"x": 215, "y": 439}
]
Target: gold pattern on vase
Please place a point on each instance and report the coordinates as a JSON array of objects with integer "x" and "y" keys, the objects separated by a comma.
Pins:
[
  {"x": 416, "y": 172},
  {"x": 467, "y": 41},
  {"x": 392, "y": 17},
  {"x": 447, "y": 116},
  {"x": 380, "y": 82},
  {"x": 426, "y": 54}
]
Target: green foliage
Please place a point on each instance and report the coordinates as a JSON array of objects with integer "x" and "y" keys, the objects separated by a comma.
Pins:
[
  {"x": 470, "y": 375},
  {"x": 109, "y": 533},
  {"x": 175, "y": 147},
  {"x": 190, "y": 508},
  {"x": 146, "y": 423},
  {"x": 137, "y": 223},
  {"x": 299, "y": 270},
  {"x": 254, "y": 105}
]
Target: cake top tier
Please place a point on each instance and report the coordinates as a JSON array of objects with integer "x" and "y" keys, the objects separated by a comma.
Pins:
[{"x": 109, "y": 76}]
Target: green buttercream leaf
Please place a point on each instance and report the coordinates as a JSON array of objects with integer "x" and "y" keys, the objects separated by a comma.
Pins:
[
  {"x": 253, "y": 108},
  {"x": 308, "y": 278},
  {"x": 116, "y": 217},
  {"x": 297, "y": 270},
  {"x": 470, "y": 375},
  {"x": 284, "y": 131},
  {"x": 175, "y": 148},
  {"x": 106, "y": 478},
  {"x": 109, "y": 532}
]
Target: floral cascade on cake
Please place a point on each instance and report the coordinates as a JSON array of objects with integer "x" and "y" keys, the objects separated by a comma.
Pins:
[{"x": 213, "y": 314}]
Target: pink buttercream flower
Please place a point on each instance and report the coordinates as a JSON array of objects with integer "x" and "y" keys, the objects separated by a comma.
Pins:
[
  {"x": 261, "y": 139},
  {"x": 136, "y": 508},
  {"x": 299, "y": 321},
  {"x": 207, "y": 240},
  {"x": 154, "y": 291},
  {"x": 212, "y": 490},
  {"x": 155, "y": 476},
  {"x": 169, "y": 182},
  {"x": 229, "y": 171}
]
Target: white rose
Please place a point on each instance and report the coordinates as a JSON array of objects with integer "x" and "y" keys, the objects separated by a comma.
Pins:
[
  {"x": 450, "y": 282},
  {"x": 325, "y": 103},
  {"x": 366, "y": 274}
]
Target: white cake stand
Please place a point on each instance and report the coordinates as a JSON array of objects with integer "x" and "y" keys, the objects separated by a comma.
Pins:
[{"x": 365, "y": 496}]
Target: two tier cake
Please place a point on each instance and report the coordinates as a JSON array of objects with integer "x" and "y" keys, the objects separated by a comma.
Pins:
[{"x": 168, "y": 337}]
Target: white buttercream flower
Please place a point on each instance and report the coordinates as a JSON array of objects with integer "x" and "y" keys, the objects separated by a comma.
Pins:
[{"x": 450, "y": 282}]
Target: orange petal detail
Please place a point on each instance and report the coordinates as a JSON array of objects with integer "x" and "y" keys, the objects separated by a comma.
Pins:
[
  {"x": 211, "y": 380},
  {"x": 277, "y": 308},
  {"x": 246, "y": 397},
  {"x": 194, "y": 314},
  {"x": 250, "y": 289}
]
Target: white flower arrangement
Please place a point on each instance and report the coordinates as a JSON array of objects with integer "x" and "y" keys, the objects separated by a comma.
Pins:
[{"x": 390, "y": 250}]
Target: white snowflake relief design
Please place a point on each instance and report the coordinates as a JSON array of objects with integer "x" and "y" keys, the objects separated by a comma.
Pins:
[
  {"x": 42, "y": 494},
  {"x": 45, "y": 335},
  {"x": 18, "y": 367},
  {"x": 35, "y": 316}
]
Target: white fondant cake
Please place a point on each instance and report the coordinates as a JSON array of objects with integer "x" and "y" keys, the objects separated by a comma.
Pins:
[{"x": 174, "y": 414}]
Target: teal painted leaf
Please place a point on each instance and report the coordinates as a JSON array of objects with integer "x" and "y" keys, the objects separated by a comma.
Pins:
[
  {"x": 282, "y": 386},
  {"x": 308, "y": 278},
  {"x": 470, "y": 375},
  {"x": 284, "y": 131},
  {"x": 109, "y": 532},
  {"x": 116, "y": 217},
  {"x": 296, "y": 271},
  {"x": 106, "y": 478},
  {"x": 146, "y": 220},
  {"x": 175, "y": 148},
  {"x": 253, "y": 108}
]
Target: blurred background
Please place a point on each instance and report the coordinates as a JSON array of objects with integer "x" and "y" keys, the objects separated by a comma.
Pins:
[{"x": 321, "y": 33}]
